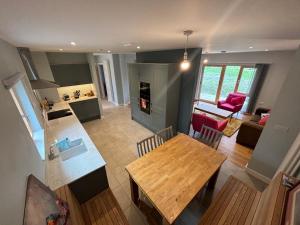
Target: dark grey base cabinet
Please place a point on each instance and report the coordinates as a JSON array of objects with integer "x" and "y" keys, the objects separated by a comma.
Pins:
[
  {"x": 90, "y": 185},
  {"x": 164, "y": 81},
  {"x": 86, "y": 110}
]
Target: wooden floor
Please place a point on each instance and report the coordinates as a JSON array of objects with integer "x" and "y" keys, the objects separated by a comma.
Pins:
[
  {"x": 235, "y": 204},
  {"x": 236, "y": 153},
  {"x": 103, "y": 209}
]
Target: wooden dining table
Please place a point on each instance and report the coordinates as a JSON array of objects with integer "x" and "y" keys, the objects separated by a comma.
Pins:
[{"x": 171, "y": 175}]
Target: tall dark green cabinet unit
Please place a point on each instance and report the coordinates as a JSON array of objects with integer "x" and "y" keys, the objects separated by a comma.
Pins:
[{"x": 154, "y": 94}]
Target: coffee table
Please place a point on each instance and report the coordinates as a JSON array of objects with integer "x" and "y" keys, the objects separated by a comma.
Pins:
[{"x": 213, "y": 109}]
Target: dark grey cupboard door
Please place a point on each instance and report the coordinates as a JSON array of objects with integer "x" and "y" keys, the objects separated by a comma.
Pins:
[
  {"x": 159, "y": 97},
  {"x": 133, "y": 72},
  {"x": 86, "y": 110},
  {"x": 71, "y": 74}
]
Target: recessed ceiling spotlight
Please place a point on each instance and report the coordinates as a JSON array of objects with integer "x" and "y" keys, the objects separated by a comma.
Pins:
[
  {"x": 266, "y": 49},
  {"x": 60, "y": 49},
  {"x": 72, "y": 43},
  {"x": 127, "y": 44},
  {"x": 250, "y": 47},
  {"x": 138, "y": 47},
  {"x": 108, "y": 51}
]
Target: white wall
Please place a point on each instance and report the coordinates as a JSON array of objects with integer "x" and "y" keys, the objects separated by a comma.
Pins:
[
  {"x": 42, "y": 66},
  {"x": 100, "y": 58},
  {"x": 280, "y": 63},
  {"x": 92, "y": 63},
  {"x": 19, "y": 156},
  {"x": 282, "y": 127}
]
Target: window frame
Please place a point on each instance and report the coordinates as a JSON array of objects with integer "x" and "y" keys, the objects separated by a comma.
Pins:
[
  {"x": 35, "y": 128},
  {"x": 221, "y": 79}
]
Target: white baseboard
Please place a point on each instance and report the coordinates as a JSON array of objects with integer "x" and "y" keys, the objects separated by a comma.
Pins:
[{"x": 257, "y": 175}]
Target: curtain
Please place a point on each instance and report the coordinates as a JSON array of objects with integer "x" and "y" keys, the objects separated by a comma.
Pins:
[{"x": 261, "y": 73}]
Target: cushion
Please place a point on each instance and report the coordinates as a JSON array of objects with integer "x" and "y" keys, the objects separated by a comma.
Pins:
[
  {"x": 227, "y": 106},
  {"x": 263, "y": 120},
  {"x": 236, "y": 100}
]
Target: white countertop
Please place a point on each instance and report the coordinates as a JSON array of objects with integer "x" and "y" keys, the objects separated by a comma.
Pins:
[{"x": 58, "y": 172}]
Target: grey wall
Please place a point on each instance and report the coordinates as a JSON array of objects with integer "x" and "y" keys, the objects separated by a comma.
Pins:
[
  {"x": 124, "y": 60},
  {"x": 19, "y": 156},
  {"x": 42, "y": 66},
  {"x": 118, "y": 79},
  {"x": 275, "y": 141},
  {"x": 188, "y": 79},
  {"x": 119, "y": 74},
  {"x": 280, "y": 62},
  {"x": 66, "y": 58}
]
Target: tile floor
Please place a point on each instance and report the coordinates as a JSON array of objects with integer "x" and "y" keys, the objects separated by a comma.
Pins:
[{"x": 116, "y": 135}]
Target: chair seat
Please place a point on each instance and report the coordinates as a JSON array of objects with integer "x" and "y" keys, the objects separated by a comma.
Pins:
[{"x": 227, "y": 106}]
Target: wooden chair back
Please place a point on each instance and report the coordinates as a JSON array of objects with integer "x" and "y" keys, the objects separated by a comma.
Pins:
[
  {"x": 148, "y": 144},
  {"x": 271, "y": 207},
  {"x": 210, "y": 136},
  {"x": 166, "y": 133}
]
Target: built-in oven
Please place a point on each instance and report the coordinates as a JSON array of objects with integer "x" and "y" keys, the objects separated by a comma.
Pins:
[{"x": 145, "y": 97}]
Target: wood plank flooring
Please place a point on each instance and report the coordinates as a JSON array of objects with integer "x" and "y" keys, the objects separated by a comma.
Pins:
[
  {"x": 236, "y": 153},
  {"x": 103, "y": 209},
  {"x": 235, "y": 204}
]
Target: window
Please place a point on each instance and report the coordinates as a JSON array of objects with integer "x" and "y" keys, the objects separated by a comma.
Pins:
[
  {"x": 218, "y": 81},
  {"x": 24, "y": 105}
]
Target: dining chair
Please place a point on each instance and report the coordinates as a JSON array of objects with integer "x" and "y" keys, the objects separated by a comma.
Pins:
[
  {"x": 148, "y": 144},
  {"x": 166, "y": 133},
  {"x": 210, "y": 136}
]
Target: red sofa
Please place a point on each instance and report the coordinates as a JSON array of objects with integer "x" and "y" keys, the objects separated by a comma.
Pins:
[
  {"x": 233, "y": 103},
  {"x": 198, "y": 120}
]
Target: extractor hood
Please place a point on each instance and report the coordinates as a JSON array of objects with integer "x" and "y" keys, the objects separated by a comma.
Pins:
[{"x": 35, "y": 81}]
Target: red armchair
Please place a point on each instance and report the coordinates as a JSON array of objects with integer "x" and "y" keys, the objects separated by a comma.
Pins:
[
  {"x": 233, "y": 103},
  {"x": 198, "y": 120}
]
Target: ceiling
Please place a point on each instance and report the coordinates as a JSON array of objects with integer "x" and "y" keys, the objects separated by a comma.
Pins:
[{"x": 230, "y": 25}]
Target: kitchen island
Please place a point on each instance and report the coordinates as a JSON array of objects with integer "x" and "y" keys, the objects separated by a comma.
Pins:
[{"x": 84, "y": 173}]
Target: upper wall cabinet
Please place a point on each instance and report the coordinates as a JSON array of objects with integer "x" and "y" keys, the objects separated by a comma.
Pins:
[{"x": 71, "y": 74}]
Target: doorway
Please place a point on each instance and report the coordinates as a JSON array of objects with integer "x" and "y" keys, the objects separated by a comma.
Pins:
[{"x": 217, "y": 81}]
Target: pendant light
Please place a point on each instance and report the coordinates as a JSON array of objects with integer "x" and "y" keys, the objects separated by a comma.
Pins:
[{"x": 185, "y": 64}]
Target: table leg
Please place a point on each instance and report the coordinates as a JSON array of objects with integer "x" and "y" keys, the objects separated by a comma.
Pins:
[
  {"x": 165, "y": 222},
  {"x": 134, "y": 191},
  {"x": 212, "y": 181}
]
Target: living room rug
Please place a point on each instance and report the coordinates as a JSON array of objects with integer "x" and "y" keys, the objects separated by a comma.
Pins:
[{"x": 232, "y": 126}]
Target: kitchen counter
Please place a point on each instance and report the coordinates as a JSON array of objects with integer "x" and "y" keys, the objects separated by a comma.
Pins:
[{"x": 58, "y": 172}]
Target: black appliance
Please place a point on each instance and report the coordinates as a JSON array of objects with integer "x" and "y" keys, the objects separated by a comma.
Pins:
[{"x": 145, "y": 98}]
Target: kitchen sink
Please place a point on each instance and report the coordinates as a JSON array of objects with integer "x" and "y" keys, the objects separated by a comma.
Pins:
[
  {"x": 72, "y": 149},
  {"x": 59, "y": 114}
]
